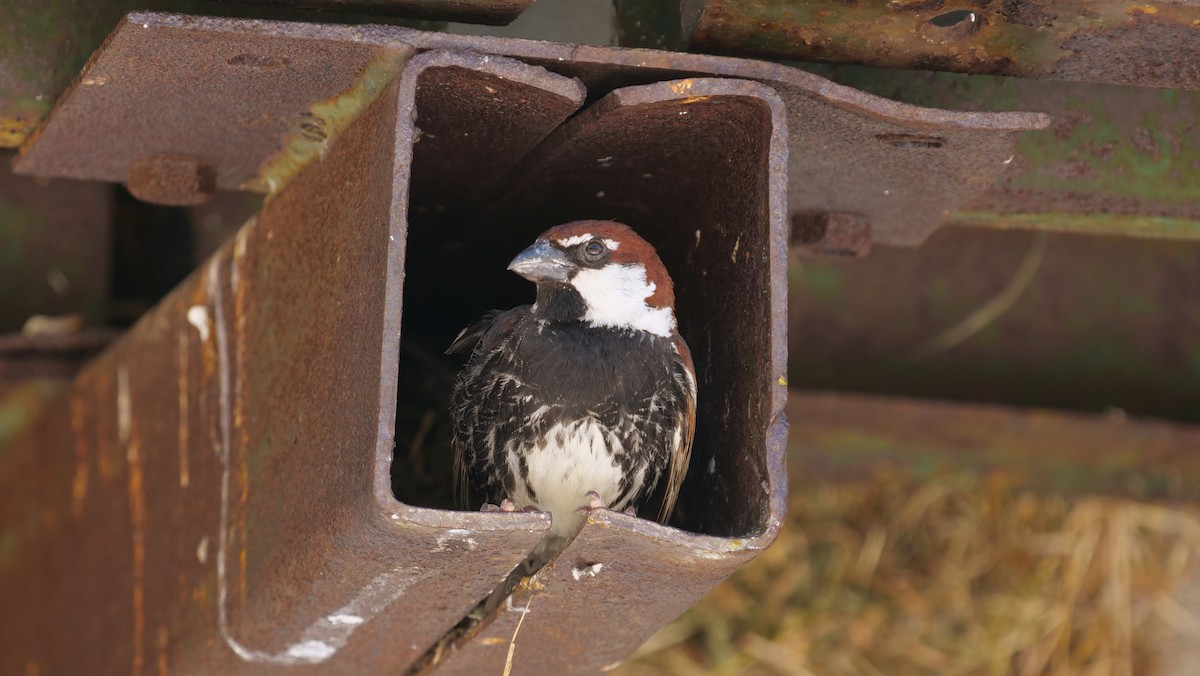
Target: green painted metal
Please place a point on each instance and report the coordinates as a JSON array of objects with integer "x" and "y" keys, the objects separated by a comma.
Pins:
[
  {"x": 1117, "y": 160},
  {"x": 326, "y": 120},
  {"x": 1150, "y": 43},
  {"x": 43, "y": 44}
]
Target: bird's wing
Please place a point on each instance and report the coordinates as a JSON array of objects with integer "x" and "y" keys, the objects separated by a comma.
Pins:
[
  {"x": 466, "y": 339},
  {"x": 477, "y": 339},
  {"x": 481, "y": 329},
  {"x": 682, "y": 452}
]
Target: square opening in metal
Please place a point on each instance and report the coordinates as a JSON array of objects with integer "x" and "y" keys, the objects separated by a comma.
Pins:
[{"x": 689, "y": 173}]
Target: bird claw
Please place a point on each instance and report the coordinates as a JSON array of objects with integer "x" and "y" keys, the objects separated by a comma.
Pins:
[
  {"x": 505, "y": 505},
  {"x": 594, "y": 501}
]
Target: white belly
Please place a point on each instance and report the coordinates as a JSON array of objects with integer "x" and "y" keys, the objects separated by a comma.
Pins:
[{"x": 570, "y": 461}]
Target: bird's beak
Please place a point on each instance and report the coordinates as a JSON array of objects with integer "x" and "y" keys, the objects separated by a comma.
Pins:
[{"x": 542, "y": 263}]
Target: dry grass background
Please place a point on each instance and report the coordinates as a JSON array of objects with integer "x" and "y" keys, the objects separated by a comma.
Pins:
[{"x": 952, "y": 575}]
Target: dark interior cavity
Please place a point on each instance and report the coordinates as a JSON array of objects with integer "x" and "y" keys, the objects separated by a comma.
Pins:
[{"x": 688, "y": 173}]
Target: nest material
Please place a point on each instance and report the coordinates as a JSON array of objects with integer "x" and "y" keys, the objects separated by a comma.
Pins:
[{"x": 956, "y": 575}]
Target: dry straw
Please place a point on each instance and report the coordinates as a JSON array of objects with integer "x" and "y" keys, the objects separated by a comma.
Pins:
[{"x": 955, "y": 575}]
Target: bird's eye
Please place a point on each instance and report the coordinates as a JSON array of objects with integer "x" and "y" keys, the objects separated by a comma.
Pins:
[{"x": 593, "y": 249}]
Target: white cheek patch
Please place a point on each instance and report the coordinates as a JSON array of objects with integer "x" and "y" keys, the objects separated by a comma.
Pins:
[{"x": 616, "y": 295}]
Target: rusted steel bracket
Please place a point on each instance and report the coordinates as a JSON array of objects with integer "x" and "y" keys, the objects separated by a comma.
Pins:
[
  {"x": 49, "y": 40},
  {"x": 259, "y": 99},
  {"x": 252, "y": 506},
  {"x": 222, "y": 488}
]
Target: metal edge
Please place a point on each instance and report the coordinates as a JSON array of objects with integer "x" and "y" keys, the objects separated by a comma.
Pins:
[
  {"x": 776, "y": 432},
  {"x": 845, "y": 97},
  {"x": 386, "y": 502}
]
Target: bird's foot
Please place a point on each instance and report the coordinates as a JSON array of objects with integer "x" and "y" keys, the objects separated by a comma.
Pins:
[
  {"x": 594, "y": 501},
  {"x": 505, "y": 505}
]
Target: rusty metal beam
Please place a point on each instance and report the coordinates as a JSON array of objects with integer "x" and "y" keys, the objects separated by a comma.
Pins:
[
  {"x": 850, "y": 152},
  {"x": 1149, "y": 44},
  {"x": 47, "y": 41},
  {"x": 224, "y": 468},
  {"x": 223, "y": 474},
  {"x": 847, "y": 435}
]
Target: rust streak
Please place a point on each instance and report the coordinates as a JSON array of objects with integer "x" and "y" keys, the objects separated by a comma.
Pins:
[
  {"x": 124, "y": 407},
  {"x": 103, "y": 431},
  {"x": 242, "y": 567},
  {"x": 79, "y": 485},
  {"x": 163, "y": 640},
  {"x": 184, "y": 475},
  {"x": 137, "y": 509},
  {"x": 239, "y": 399}
]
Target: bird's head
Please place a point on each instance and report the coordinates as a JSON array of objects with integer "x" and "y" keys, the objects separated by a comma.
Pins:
[{"x": 602, "y": 273}]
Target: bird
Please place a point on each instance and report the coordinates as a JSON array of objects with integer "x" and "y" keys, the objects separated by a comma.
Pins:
[{"x": 584, "y": 399}]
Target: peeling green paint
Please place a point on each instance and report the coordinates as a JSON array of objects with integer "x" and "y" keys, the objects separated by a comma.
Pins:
[
  {"x": 19, "y": 117},
  {"x": 1110, "y": 144},
  {"x": 314, "y": 131},
  {"x": 43, "y": 45}
]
